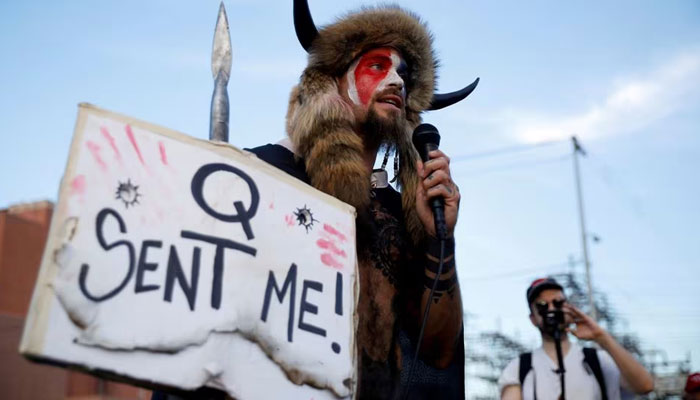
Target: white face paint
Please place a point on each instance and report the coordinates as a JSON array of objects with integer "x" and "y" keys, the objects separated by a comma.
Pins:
[{"x": 372, "y": 73}]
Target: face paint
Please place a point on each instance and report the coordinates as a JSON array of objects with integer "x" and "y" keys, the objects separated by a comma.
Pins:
[{"x": 373, "y": 72}]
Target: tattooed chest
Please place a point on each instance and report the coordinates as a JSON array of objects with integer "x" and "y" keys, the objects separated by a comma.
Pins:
[{"x": 387, "y": 249}]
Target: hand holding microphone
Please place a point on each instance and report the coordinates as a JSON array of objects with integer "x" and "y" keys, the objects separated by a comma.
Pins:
[
  {"x": 436, "y": 183},
  {"x": 438, "y": 193}
]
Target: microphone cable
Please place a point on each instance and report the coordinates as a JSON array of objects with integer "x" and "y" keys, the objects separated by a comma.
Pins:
[{"x": 426, "y": 313}]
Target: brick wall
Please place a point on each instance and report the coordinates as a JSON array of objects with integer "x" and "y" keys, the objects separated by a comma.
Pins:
[{"x": 23, "y": 231}]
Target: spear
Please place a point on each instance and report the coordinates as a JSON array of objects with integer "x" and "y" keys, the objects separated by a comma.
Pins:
[{"x": 221, "y": 70}]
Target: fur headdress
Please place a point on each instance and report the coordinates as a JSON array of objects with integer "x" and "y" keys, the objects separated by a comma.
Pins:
[{"x": 320, "y": 123}]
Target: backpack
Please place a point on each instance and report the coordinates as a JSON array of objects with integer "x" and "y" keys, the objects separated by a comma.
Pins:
[{"x": 590, "y": 357}]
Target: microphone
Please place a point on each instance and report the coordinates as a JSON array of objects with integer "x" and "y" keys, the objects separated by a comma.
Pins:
[{"x": 426, "y": 139}]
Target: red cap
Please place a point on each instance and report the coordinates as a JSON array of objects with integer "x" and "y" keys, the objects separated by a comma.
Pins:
[
  {"x": 538, "y": 285},
  {"x": 693, "y": 383}
]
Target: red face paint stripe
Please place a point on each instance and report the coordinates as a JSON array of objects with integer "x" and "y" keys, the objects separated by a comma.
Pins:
[{"x": 366, "y": 78}]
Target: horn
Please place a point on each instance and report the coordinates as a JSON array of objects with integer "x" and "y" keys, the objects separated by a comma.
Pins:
[
  {"x": 447, "y": 99},
  {"x": 304, "y": 24}
]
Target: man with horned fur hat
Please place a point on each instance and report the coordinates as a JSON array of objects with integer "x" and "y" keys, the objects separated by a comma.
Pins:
[{"x": 369, "y": 77}]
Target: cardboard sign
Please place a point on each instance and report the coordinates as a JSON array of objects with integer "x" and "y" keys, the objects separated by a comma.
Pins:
[{"x": 188, "y": 263}]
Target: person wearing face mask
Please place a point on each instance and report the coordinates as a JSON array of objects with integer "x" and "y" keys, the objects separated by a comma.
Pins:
[{"x": 589, "y": 374}]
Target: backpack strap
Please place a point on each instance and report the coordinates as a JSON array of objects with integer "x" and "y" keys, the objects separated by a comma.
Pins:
[
  {"x": 590, "y": 357},
  {"x": 525, "y": 367}
]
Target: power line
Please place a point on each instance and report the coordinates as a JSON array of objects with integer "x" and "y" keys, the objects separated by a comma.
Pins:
[
  {"x": 506, "y": 150},
  {"x": 520, "y": 165},
  {"x": 521, "y": 271},
  {"x": 608, "y": 176},
  {"x": 668, "y": 314}
]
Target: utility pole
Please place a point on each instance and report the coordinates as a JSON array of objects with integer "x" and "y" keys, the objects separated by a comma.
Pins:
[{"x": 577, "y": 149}]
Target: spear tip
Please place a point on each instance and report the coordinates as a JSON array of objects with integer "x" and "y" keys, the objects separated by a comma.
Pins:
[{"x": 221, "y": 49}]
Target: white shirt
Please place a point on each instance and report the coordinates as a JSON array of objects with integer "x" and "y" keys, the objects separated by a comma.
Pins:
[{"x": 579, "y": 381}]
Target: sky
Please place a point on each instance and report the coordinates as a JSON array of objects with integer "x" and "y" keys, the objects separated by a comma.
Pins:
[{"x": 623, "y": 77}]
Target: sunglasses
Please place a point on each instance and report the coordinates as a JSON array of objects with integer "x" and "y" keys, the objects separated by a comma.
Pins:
[{"x": 544, "y": 305}]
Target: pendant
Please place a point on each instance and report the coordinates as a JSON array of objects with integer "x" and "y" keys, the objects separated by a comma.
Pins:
[{"x": 379, "y": 179}]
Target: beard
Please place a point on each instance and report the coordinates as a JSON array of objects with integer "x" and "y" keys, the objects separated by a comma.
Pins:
[{"x": 389, "y": 131}]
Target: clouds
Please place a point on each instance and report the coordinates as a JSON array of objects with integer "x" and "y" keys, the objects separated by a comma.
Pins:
[{"x": 631, "y": 104}]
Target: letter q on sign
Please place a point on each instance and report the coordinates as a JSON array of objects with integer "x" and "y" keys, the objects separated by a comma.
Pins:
[{"x": 242, "y": 215}]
